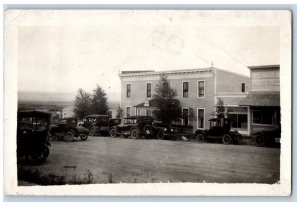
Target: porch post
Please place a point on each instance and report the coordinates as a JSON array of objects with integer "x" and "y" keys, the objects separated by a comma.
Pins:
[{"x": 249, "y": 120}]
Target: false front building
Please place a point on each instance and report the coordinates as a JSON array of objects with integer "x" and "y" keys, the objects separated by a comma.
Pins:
[
  {"x": 198, "y": 89},
  {"x": 263, "y": 100}
]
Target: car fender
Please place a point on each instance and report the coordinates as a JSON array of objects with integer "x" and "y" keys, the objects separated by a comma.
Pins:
[{"x": 73, "y": 130}]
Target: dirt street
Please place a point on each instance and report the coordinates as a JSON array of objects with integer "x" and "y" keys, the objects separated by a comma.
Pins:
[{"x": 115, "y": 160}]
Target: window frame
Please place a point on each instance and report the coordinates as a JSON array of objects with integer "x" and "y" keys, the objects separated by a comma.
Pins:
[
  {"x": 126, "y": 113},
  {"x": 128, "y": 92},
  {"x": 243, "y": 87},
  {"x": 183, "y": 91},
  {"x": 261, "y": 113},
  {"x": 182, "y": 121},
  {"x": 199, "y": 88},
  {"x": 198, "y": 118},
  {"x": 147, "y": 83}
]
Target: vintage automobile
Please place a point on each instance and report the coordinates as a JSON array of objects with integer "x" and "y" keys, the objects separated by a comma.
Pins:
[
  {"x": 162, "y": 131},
  {"x": 68, "y": 129},
  {"x": 33, "y": 135},
  {"x": 99, "y": 124},
  {"x": 133, "y": 126},
  {"x": 219, "y": 129},
  {"x": 138, "y": 126},
  {"x": 269, "y": 137}
]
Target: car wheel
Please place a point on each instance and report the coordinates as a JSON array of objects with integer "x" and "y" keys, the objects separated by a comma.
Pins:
[
  {"x": 226, "y": 139},
  {"x": 160, "y": 134},
  {"x": 113, "y": 132},
  {"x": 84, "y": 136},
  {"x": 69, "y": 136},
  {"x": 134, "y": 133},
  {"x": 92, "y": 131},
  {"x": 259, "y": 141},
  {"x": 41, "y": 154},
  {"x": 200, "y": 138}
]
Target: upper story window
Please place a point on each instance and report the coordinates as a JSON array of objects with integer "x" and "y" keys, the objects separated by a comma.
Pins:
[
  {"x": 201, "y": 88},
  {"x": 148, "y": 89},
  {"x": 128, "y": 90},
  {"x": 185, "y": 89},
  {"x": 243, "y": 87}
]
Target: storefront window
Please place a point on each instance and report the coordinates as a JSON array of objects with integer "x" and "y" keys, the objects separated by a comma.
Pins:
[
  {"x": 262, "y": 117},
  {"x": 238, "y": 117},
  {"x": 238, "y": 121}
]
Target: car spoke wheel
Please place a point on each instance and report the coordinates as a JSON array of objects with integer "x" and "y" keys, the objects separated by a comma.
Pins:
[
  {"x": 69, "y": 136},
  {"x": 84, "y": 136},
  {"x": 113, "y": 132},
  {"x": 160, "y": 134},
  {"x": 200, "y": 138},
  {"x": 226, "y": 139},
  {"x": 134, "y": 133},
  {"x": 259, "y": 141},
  {"x": 41, "y": 154},
  {"x": 92, "y": 131}
]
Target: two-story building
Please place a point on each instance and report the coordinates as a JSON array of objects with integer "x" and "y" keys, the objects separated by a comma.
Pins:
[
  {"x": 198, "y": 89},
  {"x": 263, "y": 100}
]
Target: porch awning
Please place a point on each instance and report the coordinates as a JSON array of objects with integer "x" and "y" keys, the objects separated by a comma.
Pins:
[
  {"x": 261, "y": 99},
  {"x": 150, "y": 103}
]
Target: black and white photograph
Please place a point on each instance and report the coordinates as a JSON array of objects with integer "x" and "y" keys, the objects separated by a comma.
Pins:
[{"x": 147, "y": 102}]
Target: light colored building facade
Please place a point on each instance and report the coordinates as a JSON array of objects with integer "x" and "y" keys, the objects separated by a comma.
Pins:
[
  {"x": 68, "y": 111},
  {"x": 263, "y": 100},
  {"x": 196, "y": 88}
]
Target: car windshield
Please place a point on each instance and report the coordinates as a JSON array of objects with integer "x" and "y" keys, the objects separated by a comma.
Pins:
[
  {"x": 33, "y": 124},
  {"x": 130, "y": 121},
  {"x": 62, "y": 121}
]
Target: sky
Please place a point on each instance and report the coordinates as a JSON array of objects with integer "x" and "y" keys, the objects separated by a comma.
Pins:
[{"x": 61, "y": 51}]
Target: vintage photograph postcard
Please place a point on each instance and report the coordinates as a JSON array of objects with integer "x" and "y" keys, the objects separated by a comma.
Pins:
[{"x": 147, "y": 102}]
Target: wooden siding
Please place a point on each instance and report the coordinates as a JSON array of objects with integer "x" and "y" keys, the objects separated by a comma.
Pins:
[{"x": 265, "y": 80}]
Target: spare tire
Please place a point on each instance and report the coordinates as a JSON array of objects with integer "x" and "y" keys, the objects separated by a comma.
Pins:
[{"x": 147, "y": 130}]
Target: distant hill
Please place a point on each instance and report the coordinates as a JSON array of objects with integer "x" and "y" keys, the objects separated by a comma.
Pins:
[
  {"x": 46, "y": 96},
  {"x": 35, "y": 100}
]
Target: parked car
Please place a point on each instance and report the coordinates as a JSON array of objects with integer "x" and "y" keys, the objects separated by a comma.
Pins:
[
  {"x": 219, "y": 129},
  {"x": 68, "y": 129},
  {"x": 32, "y": 135},
  {"x": 99, "y": 124},
  {"x": 138, "y": 126},
  {"x": 134, "y": 126},
  {"x": 269, "y": 137},
  {"x": 162, "y": 131}
]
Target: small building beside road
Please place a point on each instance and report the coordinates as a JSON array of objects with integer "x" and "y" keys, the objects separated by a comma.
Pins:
[
  {"x": 198, "y": 89},
  {"x": 263, "y": 99}
]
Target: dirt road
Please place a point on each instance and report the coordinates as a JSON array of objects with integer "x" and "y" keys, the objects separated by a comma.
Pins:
[{"x": 114, "y": 160}]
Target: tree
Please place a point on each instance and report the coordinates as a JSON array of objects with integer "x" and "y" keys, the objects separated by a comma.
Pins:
[
  {"x": 192, "y": 115},
  {"x": 120, "y": 112},
  {"x": 168, "y": 108},
  {"x": 220, "y": 108},
  {"x": 99, "y": 101},
  {"x": 82, "y": 104}
]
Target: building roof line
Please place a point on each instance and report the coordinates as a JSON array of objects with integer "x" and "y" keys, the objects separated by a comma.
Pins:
[
  {"x": 166, "y": 72},
  {"x": 264, "y": 66},
  {"x": 230, "y": 72}
]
